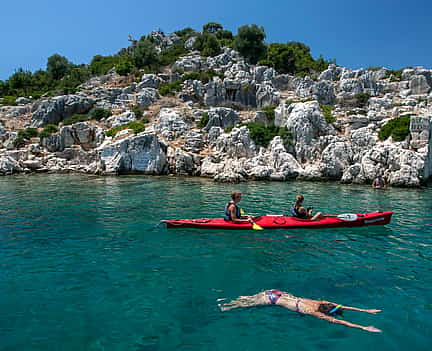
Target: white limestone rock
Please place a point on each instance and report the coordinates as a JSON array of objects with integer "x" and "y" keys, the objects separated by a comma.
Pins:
[
  {"x": 221, "y": 117},
  {"x": 171, "y": 124},
  {"x": 143, "y": 153}
]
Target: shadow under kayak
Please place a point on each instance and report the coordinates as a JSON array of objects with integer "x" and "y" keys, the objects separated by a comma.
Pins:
[{"x": 275, "y": 222}]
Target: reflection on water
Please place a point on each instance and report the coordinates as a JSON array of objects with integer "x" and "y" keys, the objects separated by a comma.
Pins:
[{"x": 84, "y": 266}]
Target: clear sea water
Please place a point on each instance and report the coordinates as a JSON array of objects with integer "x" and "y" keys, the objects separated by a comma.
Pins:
[{"x": 83, "y": 267}]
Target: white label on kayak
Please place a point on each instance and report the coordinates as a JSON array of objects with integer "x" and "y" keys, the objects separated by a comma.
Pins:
[{"x": 368, "y": 221}]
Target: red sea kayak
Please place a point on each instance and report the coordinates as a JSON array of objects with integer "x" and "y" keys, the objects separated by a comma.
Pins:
[{"x": 274, "y": 222}]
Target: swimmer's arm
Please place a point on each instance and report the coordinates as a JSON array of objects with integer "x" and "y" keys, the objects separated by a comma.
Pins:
[
  {"x": 348, "y": 308},
  {"x": 346, "y": 323}
]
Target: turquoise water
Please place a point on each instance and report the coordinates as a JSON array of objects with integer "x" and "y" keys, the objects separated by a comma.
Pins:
[{"x": 84, "y": 268}]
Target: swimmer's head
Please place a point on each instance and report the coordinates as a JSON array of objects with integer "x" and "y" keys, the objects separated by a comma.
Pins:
[{"x": 330, "y": 308}]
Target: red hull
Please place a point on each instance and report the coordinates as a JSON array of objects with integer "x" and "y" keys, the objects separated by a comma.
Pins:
[{"x": 275, "y": 222}]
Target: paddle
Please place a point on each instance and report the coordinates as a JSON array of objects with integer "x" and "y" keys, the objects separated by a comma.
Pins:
[{"x": 254, "y": 225}]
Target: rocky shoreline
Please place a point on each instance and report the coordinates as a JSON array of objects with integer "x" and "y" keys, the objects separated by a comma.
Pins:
[{"x": 345, "y": 147}]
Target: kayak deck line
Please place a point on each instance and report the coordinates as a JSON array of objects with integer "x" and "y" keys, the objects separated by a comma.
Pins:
[{"x": 278, "y": 221}]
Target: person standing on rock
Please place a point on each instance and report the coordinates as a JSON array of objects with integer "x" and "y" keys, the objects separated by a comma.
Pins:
[
  {"x": 233, "y": 211},
  {"x": 379, "y": 182}
]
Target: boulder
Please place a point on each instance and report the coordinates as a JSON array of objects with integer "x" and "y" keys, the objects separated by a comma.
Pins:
[
  {"x": 149, "y": 81},
  {"x": 171, "y": 124},
  {"x": 146, "y": 97},
  {"x": 190, "y": 63},
  {"x": 419, "y": 85},
  {"x": 214, "y": 92},
  {"x": 221, "y": 117},
  {"x": 124, "y": 118},
  {"x": 8, "y": 165},
  {"x": 266, "y": 95},
  {"x": 323, "y": 92},
  {"x": 54, "y": 110},
  {"x": 143, "y": 153}
]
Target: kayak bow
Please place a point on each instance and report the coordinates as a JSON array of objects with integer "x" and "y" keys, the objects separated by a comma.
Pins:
[{"x": 274, "y": 222}]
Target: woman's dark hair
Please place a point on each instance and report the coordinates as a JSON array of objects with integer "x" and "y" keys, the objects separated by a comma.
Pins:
[{"x": 327, "y": 307}]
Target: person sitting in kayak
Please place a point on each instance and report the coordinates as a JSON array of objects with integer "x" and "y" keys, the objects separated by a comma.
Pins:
[
  {"x": 232, "y": 210},
  {"x": 321, "y": 309},
  {"x": 298, "y": 211}
]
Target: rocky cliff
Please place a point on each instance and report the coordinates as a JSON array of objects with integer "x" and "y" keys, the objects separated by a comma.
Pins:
[{"x": 334, "y": 123}]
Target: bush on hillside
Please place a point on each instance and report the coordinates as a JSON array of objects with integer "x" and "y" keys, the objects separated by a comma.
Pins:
[
  {"x": 25, "y": 135},
  {"x": 48, "y": 130},
  {"x": 124, "y": 66},
  {"x": 145, "y": 56},
  {"x": 327, "y": 112},
  {"x": 293, "y": 58},
  {"x": 99, "y": 113},
  {"x": 75, "y": 119},
  {"x": 362, "y": 99},
  {"x": 169, "y": 89},
  {"x": 249, "y": 42},
  {"x": 203, "y": 76},
  {"x": 397, "y": 128},
  {"x": 203, "y": 121},
  {"x": 137, "y": 127},
  {"x": 207, "y": 44},
  {"x": 270, "y": 113},
  {"x": 9, "y": 100},
  {"x": 262, "y": 135},
  {"x": 58, "y": 66},
  {"x": 394, "y": 75}
]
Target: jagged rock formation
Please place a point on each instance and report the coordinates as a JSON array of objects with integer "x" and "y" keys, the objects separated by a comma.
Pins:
[{"x": 346, "y": 149}]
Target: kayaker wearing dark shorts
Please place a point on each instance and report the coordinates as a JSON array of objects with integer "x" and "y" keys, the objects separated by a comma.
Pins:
[
  {"x": 321, "y": 309},
  {"x": 232, "y": 210},
  {"x": 298, "y": 211}
]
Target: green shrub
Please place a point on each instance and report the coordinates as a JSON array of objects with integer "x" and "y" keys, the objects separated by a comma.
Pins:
[
  {"x": 75, "y": 119},
  {"x": 394, "y": 75},
  {"x": 204, "y": 76},
  {"x": 28, "y": 133},
  {"x": 48, "y": 130},
  {"x": 397, "y": 128},
  {"x": 228, "y": 129},
  {"x": 9, "y": 100},
  {"x": 204, "y": 120},
  {"x": 362, "y": 99},
  {"x": 208, "y": 44},
  {"x": 171, "y": 54},
  {"x": 137, "y": 127},
  {"x": 270, "y": 113},
  {"x": 169, "y": 89},
  {"x": 327, "y": 112},
  {"x": 99, "y": 113},
  {"x": 124, "y": 66},
  {"x": 58, "y": 66},
  {"x": 262, "y": 135},
  {"x": 137, "y": 111},
  {"x": 249, "y": 42},
  {"x": 25, "y": 135}
]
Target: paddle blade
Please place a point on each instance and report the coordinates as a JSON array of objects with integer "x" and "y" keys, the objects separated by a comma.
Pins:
[
  {"x": 348, "y": 217},
  {"x": 256, "y": 226},
  {"x": 242, "y": 212}
]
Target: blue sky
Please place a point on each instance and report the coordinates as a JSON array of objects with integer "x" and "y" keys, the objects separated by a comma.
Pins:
[{"x": 357, "y": 34}]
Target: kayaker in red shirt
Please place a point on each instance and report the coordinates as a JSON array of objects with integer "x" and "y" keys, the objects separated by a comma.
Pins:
[{"x": 318, "y": 308}]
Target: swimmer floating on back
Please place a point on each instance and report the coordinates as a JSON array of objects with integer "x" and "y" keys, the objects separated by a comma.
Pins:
[{"x": 321, "y": 309}]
